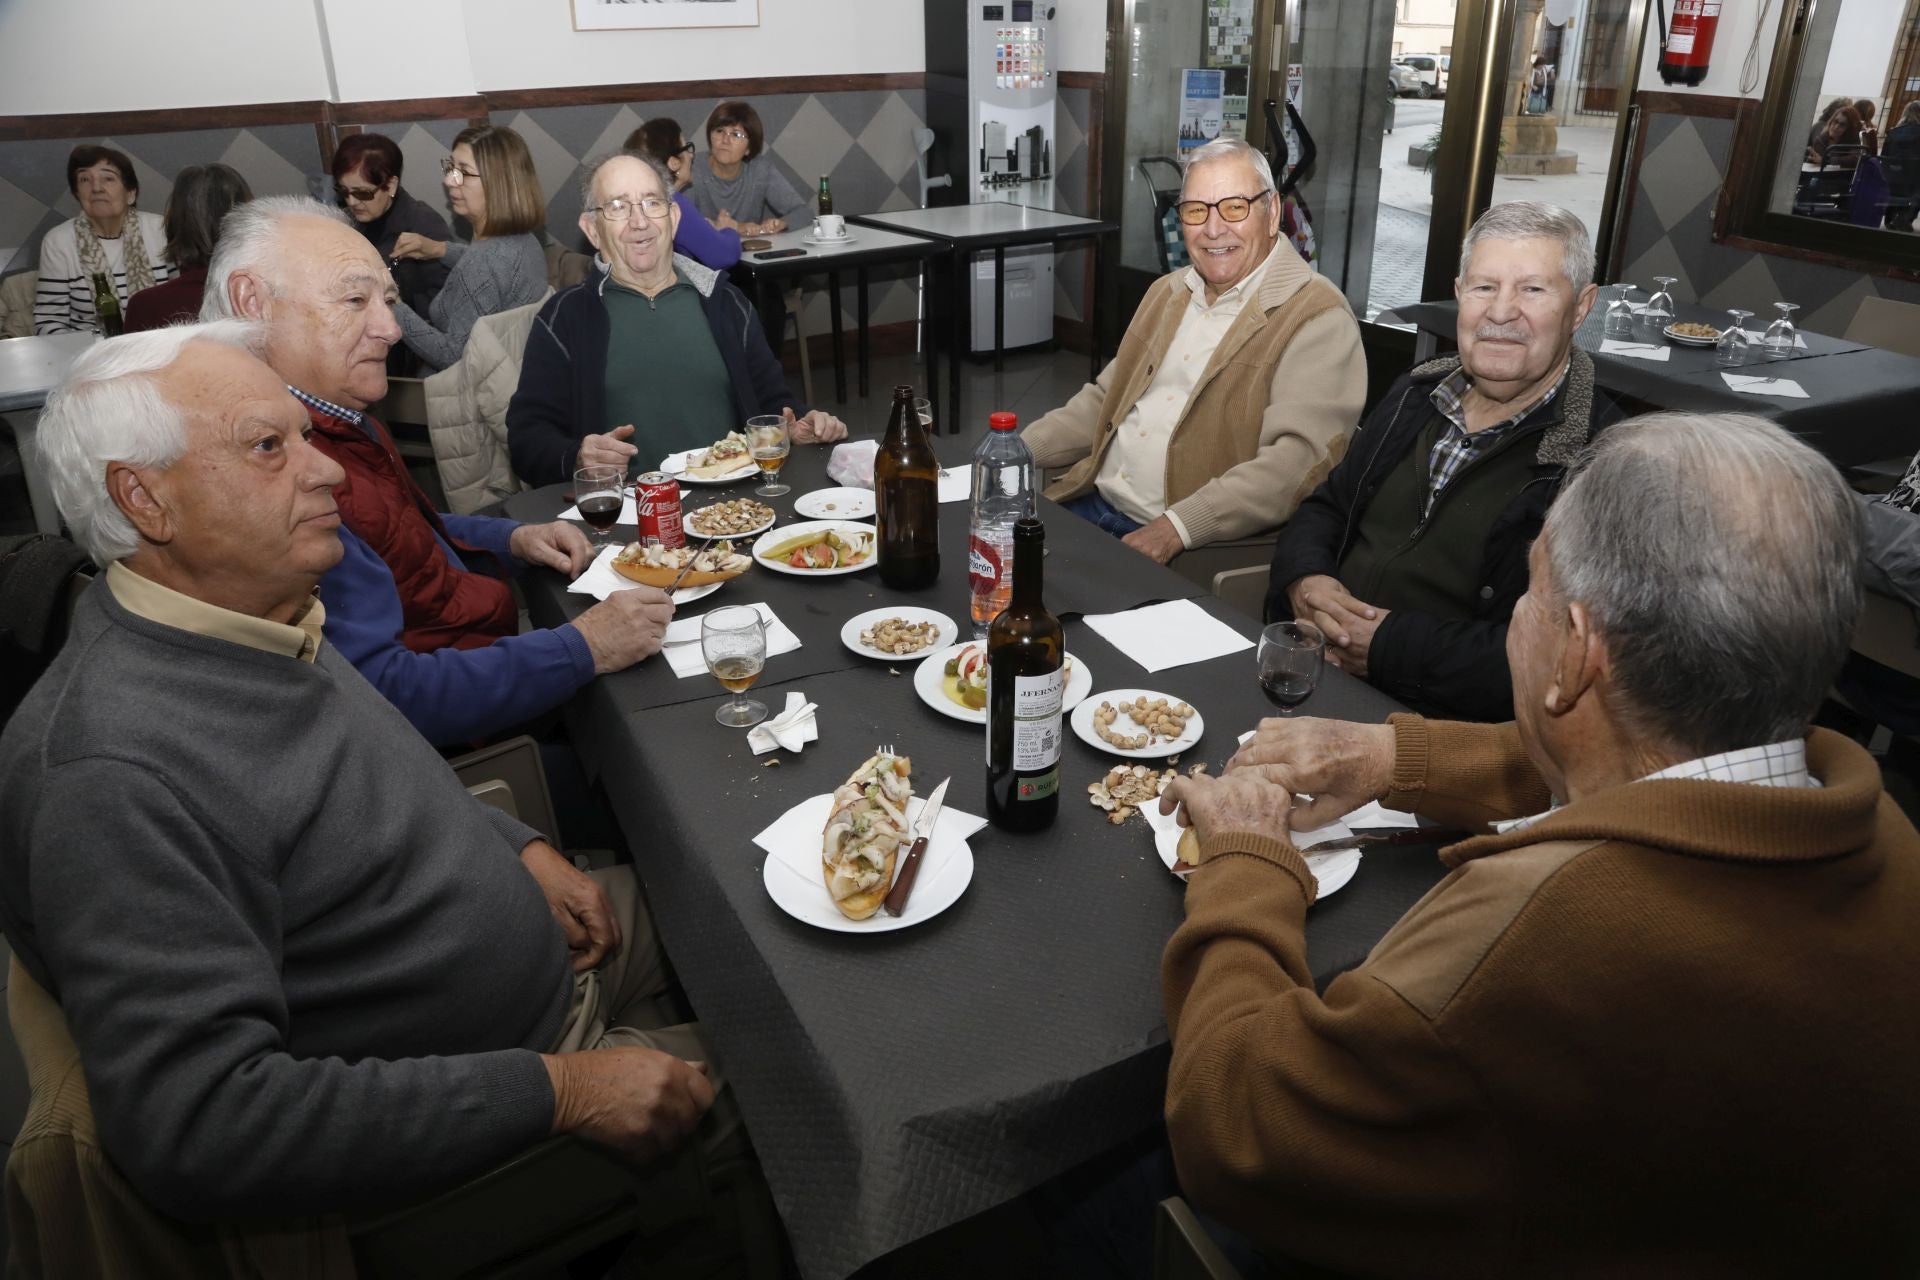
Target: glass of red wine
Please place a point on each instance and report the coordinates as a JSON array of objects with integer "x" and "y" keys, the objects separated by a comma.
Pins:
[
  {"x": 1290, "y": 658},
  {"x": 600, "y": 493}
]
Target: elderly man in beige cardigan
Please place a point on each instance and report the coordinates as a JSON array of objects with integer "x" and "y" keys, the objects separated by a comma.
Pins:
[{"x": 1235, "y": 388}]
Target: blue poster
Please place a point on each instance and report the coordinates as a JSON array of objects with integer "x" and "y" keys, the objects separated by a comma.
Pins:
[{"x": 1202, "y": 106}]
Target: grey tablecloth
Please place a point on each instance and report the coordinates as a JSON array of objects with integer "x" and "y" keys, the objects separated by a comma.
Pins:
[{"x": 897, "y": 1083}]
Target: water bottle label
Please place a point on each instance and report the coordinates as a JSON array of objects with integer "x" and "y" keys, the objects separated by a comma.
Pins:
[{"x": 984, "y": 566}]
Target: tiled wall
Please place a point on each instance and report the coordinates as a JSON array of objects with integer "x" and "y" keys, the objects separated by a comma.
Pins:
[{"x": 1670, "y": 233}]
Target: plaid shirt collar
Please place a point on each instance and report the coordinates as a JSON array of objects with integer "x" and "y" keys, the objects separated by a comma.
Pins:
[
  {"x": 329, "y": 408},
  {"x": 1773, "y": 764},
  {"x": 1457, "y": 446}
]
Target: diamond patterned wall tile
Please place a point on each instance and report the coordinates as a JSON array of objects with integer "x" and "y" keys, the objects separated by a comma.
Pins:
[
  {"x": 20, "y": 215},
  {"x": 888, "y": 138},
  {"x": 422, "y": 147},
  {"x": 1750, "y": 287},
  {"x": 267, "y": 171},
  {"x": 1661, "y": 259},
  {"x": 813, "y": 143},
  {"x": 1834, "y": 316},
  {"x": 1678, "y": 174},
  {"x": 554, "y": 164}
]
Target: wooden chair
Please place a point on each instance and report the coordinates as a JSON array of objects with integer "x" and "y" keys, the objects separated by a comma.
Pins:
[
  {"x": 1182, "y": 1249},
  {"x": 1891, "y": 326}
]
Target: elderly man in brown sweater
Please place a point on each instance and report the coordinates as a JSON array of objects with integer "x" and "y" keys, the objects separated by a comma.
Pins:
[
  {"x": 1661, "y": 1019},
  {"x": 1234, "y": 389}
]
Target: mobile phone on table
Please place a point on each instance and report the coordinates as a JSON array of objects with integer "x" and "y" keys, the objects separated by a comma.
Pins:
[{"x": 781, "y": 253}]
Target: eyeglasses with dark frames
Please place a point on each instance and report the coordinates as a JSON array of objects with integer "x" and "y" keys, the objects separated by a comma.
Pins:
[
  {"x": 452, "y": 169},
  {"x": 1232, "y": 208}
]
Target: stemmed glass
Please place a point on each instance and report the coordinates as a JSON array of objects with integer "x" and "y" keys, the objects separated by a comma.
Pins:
[
  {"x": 1659, "y": 312},
  {"x": 600, "y": 492},
  {"x": 1779, "y": 342},
  {"x": 733, "y": 640},
  {"x": 1290, "y": 658},
  {"x": 767, "y": 439},
  {"x": 1734, "y": 347},
  {"x": 1619, "y": 318},
  {"x": 923, "y": 407}
]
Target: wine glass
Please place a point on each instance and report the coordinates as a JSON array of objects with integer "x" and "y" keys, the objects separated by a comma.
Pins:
[
  {"x": 1659, "y": 311},
  {"x": 600, "y": 492},
  {"x": 767, "y": 438},
  {"x": 924, "y": 408},
  {"x": 733, "y": 640},
  {"x": 1779, "y": 342},
  {"x": 1619, "y": 318},
  {"x": 1289, "y": 659},
  {"x": 1734, "y": 347}
]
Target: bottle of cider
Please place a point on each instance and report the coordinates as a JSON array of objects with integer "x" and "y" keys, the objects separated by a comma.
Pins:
[
  {"x": 906, "y": 499},
  {"x": 1026, "y": 684}
]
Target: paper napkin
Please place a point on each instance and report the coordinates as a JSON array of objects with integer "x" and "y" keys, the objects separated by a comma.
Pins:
[
  {"x": 1761, "y": 385},
  {"x": 600, "y": 581},
  {"x": 683, "y": 642},
  {"x": 1757, "y": 336},
  {"x": 956, "y": 484},
  {"x": 1168, "y": 635},
  {"x": 628, "y": 513},
  {"x": 791, "y": 730},
  {"x": 1636, "y": 350}
]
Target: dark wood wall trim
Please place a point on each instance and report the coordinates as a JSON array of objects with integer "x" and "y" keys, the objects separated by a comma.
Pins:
[
  {"x": 390, "y": 109},
  {"x": 100, "y": 124},
  {"x": 1689, "y": 104},
  {"x": 1094, "y": 80},
  {"x": 668, "y": 90}
]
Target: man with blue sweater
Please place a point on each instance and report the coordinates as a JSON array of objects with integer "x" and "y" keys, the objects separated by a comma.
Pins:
[{"x": 439, "y": 639}]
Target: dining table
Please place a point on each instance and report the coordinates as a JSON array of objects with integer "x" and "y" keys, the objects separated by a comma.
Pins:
[
  {"x": 895, "y": 1082},
  {"x": 30, "y": 368}
]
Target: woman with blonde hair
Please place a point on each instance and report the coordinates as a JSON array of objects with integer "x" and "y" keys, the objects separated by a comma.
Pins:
[{"x": 491, "y": 183}]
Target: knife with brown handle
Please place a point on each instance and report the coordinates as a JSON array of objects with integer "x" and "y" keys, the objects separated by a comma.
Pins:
[{"x": 910, "y": 865}]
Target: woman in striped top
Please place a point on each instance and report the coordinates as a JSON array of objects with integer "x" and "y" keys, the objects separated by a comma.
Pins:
[{"x": 110, "y": 245}]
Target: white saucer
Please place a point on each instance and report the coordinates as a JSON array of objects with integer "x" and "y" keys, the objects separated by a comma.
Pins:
[{"x": 828, "y": 243}]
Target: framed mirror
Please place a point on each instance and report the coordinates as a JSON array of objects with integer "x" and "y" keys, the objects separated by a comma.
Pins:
[{"x": 1829, "y": 167}]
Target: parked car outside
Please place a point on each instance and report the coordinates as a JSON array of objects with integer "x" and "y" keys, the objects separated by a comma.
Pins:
[
  {"x": 1432, "y": 69},
  {"x": 1406, "y": 80}
]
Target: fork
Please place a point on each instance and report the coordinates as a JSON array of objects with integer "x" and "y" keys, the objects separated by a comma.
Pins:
[{"x": 886, "y": 750}]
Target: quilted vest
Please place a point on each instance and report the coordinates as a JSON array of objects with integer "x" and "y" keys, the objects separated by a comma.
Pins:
[{"x": 442, "y": 602}]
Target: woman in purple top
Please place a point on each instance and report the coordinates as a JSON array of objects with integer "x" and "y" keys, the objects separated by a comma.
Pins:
[{"x": 716, "y": 247}]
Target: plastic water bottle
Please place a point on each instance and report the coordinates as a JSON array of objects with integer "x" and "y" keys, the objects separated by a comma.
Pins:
[{"x": 1002, "y": 493}]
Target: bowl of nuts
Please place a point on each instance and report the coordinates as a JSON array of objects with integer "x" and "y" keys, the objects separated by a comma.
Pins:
[
  {"x": 1691, "y": 334},
  {"x": 1137, "y": 723}
]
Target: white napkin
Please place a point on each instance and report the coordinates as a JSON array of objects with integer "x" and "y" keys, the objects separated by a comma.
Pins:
[
  {"x": 600, "y": 581},
  {"x": 687, "y": 659},
  {"x": 794, "y": 838},
  {"x": 791, "y": 730},
  {"x": 1762, "y": 385},
  {"x": 1758, "y": 336},
  {"x": 851, "y": 463},
  {"x": 628, "y": 513},
  {"x": 1168, "y": 635},
  {"x": 1636, "y": 350},
  {"x": 956, "y": 483}
]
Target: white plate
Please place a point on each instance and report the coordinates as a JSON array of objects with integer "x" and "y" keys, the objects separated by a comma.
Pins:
[
  {"x": 774, "y": 537},
  {"x": 1331, "y": 870},
  {"x": 850, "y": 634},
  {"x": 946, "y": 869},
  {"x": 930, "y": 676},
  {"x": 745, "y": 533},
  {"x": 835, "y": 504},
  {"x": 827, "y": 242},
  {"x": 1082, "y": 721},
  {"x": 1687, "y": 339},
  {"x": 675, "y": 465}
]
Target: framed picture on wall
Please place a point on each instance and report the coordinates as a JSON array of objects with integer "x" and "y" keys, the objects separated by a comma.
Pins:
[{"x": 628, "y": 15}]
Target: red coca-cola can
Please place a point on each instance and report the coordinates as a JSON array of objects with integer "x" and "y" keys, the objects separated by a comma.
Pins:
[{"x": 657, "y": 497}]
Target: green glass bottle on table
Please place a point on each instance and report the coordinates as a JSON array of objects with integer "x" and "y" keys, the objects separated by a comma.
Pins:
[
  {"x": 826, "y": 195},
  {"x": 906, "y": 500},
  {"x": 106, "y": 305},
  {"x": 1026, "y": 686}
]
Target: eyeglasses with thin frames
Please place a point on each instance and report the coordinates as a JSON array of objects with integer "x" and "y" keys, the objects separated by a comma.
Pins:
[
  {"x": 738, "y": 135},
  {"x": 1232, "y": 208},
  {"x": 619, "y": 209},
  {"x": 459, "y": 175}
]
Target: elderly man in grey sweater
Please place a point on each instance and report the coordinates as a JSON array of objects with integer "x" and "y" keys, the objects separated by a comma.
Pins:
[{"x": 306, "y": 971}]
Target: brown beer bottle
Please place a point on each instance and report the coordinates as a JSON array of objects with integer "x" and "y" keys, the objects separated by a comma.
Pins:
[
  {"x": 1026, "y": 684},
  {"x": 906, "y": 499}
]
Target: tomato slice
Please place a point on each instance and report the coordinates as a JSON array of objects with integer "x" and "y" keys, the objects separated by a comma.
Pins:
[{"x": 798, "y": 559}]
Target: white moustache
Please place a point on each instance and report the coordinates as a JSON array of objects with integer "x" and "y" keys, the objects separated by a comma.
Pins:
[{"x": 1499, "y": 333}]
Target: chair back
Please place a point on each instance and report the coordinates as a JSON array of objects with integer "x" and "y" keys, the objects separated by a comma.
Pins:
[
  {"x": 922, "y": 147},
  {"x": 509, "y": 775},
  {"x": 1887, "y": 324},
  {"x": 16, "y": 304},
  {"x": 1164, "y": 188}
]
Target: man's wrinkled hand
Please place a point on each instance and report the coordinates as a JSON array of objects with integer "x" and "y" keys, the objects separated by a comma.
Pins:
[
  {"x": 1340, "y": 764},
  {"x": 627, "y": 627},
  {"x": 560, "y": 546},
  {"x": 1246, "y": 802},
  {"x": 1328, "y": 605},
  {"x": 639, "y": 1101},
  {"x": 818, "y": 427},
  {"x": 577, "y": 902},
  {"x": 608, "y": 450},
  {"x": 1157, "y": 538}
]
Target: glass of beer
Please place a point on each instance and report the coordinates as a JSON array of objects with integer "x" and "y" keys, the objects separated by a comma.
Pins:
[
  {"x": 768, "y": 441},
  {"x": 923, "y": 407},
  {"x": 733, "y": 640},
  {"x": 600, "y": 493}
]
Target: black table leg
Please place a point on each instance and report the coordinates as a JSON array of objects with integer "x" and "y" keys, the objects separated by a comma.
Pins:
[
  {"x": 864, "y": 346},
  {"x": 999, "y": 308},
  {"x": 839, "y": 347},
  {"x": 957, "y": 268}
]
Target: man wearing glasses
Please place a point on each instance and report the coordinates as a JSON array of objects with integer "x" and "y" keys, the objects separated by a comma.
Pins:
[
  {"x": 1234, "y": 388},
  {"x": 652, "y": 354}
]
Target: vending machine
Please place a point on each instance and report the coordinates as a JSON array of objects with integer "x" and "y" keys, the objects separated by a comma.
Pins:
[{"x": 991, "y": 102}]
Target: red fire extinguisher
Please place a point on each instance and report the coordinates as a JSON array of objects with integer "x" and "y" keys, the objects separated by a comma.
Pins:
[{"x": 1688, "y": 47}]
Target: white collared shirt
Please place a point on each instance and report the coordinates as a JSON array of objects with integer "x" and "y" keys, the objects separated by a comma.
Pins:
[
  {"x": 1133, "y": 475},
  {"x": 1773, "y": 764}
]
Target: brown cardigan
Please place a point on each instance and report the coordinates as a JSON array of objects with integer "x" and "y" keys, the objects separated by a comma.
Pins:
[{"x": 1671, "y": 1029}]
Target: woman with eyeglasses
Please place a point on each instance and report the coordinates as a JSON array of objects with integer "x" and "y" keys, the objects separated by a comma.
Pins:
[
  {"x": 735, "y": 186},
  {"x": 711, "y": 246},
  {"x": 366, "y": 180},
  {"x": 491, "y": 183}
]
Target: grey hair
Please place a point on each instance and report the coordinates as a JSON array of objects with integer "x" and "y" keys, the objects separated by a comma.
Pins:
[
  {"x": 595, "y": 165},
  {"x": 110, "y": 409},
  {"x": 248, "y": 236},
  {"x": 1223, "y": 149},
  {"x": 1719, "y": 560},
  {"x": 1531, "y": 220}
]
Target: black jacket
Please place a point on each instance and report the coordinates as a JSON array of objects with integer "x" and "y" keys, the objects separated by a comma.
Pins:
[
  {"x": 562, "y": 396},
  {"x": 1440, "y": 666}
]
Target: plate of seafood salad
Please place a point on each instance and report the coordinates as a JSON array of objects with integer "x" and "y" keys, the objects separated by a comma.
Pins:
[
  {"x": 817, "y": 548},
  {"x": 898, "y": 631}
]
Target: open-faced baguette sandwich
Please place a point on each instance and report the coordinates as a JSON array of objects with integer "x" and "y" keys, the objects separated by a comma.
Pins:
[
  {"x": 658, "y": 566},
  {"x": 866, "y": 833},
  {"x": 722, "y": 458},
  {"x": 822, "y": 549}
]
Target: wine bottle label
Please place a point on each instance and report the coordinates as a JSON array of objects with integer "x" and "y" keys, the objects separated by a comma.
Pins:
[{"x": 1036, "y": 720}]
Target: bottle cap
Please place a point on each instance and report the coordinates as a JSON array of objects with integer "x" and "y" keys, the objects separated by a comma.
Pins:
[{"x": 1002, "y": 421}]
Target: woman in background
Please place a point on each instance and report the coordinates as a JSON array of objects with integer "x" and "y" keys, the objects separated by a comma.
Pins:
[
  {"x": 716, "y": 247},
  {"x": 736, "y": 187},
  {"x": 111, "y": 248},
  {"x": 366, "y": 179},
  {"x": 202, "y": 194},
  {"x": 490, "y": 181}
]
